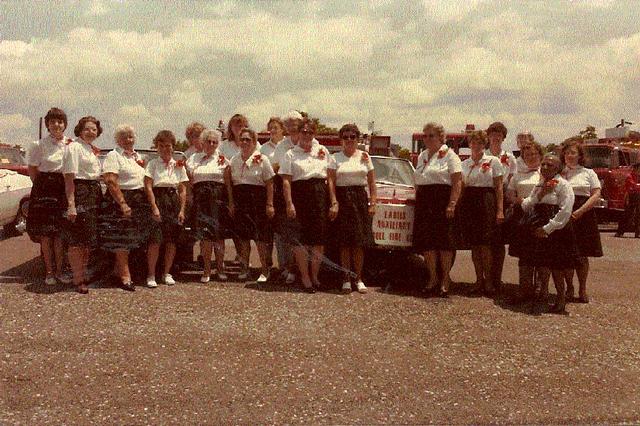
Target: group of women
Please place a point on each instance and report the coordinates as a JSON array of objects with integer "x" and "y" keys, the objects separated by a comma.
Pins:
[
  {"x": 287, "y": 191},
  {"x": 540, "y": 205}
]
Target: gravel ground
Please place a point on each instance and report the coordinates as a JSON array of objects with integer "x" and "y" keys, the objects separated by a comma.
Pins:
[{"x": 236, "y": 353}]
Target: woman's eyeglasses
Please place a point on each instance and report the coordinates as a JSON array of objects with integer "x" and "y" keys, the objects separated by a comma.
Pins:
[
  {"x": 306, "y": 132},
  {"x": 430, "y": 135},
  {"x": 246, "y": 140},
  {"x": 350, "y": 137}
]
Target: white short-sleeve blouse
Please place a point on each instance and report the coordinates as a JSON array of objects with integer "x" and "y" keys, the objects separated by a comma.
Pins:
[
  {"x": 481, "y": 174},
  {"x": 166, "y": 175},
  {"x": 438, "y": 169},
  {"x": 352, "y": 171}
]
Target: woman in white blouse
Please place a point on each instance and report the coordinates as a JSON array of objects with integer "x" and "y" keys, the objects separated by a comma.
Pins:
[
  {"x": 496, "y": 133},
  {"x": 275, "y": 126},
  {"x": 286, "y": 259},
  {"x": 586, "y": 188},
  {"x": 231, "y": 145},
  {"x": 184, "y": 249},
  {"x": 438, "y": 179},
  {"x": 480, "y": 207},
  {"x": 48, "y": 201},
  {"x": 354, "y": 173},
  {"x": 165, "y": 185},
  {"x": 309, "y": 192},
  {"x": 249, "y": 180},
  {"x": 551, "y": 239},
  {"x": 81, "y": 169},
  {"x": 125, "y": 222},
  {"x": 520, "y": 186},
  {"x": 210, "y": 214},
  {"x": 193, "y": 133}
]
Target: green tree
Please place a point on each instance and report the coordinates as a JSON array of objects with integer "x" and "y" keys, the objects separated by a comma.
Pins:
[
  {"x": 323, "y": 129},
  {"x": 588, "y": 133},
  {"x": 552, "y": 147},
  {"x": 404, "y": 153},
  {"x": 182, "y": 145}
]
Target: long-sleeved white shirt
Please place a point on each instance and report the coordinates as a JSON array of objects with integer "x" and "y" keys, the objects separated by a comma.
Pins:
[{"x": 561, "y": 196}]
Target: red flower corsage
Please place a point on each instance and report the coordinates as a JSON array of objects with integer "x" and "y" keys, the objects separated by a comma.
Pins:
[
  {"x": 95, "y": 150},
  {"x": 365, "y": 157},
  {"x": 220, "y": 160},
  {"x": 69, "y": 140},
  {"x": 179, "y": 163},
  {"x": 551, "y": 183},
  {"x": 140, "y": 163},
  {"x": 321, "y": 154},
  {"x": 441, "y": 154},
  {"x": 485, "y": 166},
  {"x": 504, "y": 159},
  {"x": 424, "y": 162},
  {"x": 257, "y": 159}
]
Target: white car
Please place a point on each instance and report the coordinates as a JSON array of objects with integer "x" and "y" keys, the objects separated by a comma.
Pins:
[{"x": 14, "y": 195}]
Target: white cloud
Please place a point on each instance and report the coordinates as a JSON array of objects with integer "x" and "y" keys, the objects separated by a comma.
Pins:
[
  {"x": 14, "y": 129},
  {"x": 398, "y": 63}
]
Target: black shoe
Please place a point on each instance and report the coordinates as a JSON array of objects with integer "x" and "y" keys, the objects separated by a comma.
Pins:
[
  {"x": 582, "y": 299},
  {"x": 444, "y": 294},
  {"x": 518, "y": 300},
  {"x": 558, "y": 309},
  {"x": 310, "y": 290},
  {"x": 128, "y": 286}
]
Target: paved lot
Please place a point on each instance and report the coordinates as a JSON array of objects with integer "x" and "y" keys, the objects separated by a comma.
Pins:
[{"x": 237, "y": 353}]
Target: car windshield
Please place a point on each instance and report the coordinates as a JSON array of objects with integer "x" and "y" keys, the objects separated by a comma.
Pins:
[
  {"x": 393, "y": 170},
  {"x": 597, "y": 157},
  {"x": 10, "y": 156}
]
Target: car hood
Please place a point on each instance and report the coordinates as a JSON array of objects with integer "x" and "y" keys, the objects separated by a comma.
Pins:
[{"x": 396, "y": 194}]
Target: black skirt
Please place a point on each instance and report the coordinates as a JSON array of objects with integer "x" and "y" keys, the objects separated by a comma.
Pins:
[
  {"x": 210, "y": 212},
  {"x": 502, "y": 233},
  {"x": 557, "y": 251},
  {"x": 586, "y": 231},
  {"x": 311, "y": 201},
  {"x": 513, "y": 230},
  {"x": 431, "y": 228},
  {"x": 476, "y": 216},
  {"x": 250, "y": 215},
  {"x": 280, "y": 221},
  {"x": 118, "y": 232},
  {"x": 353, "y": 224},
  {"x": 47, "y": 206},
  {"x": 83, "y": 232},
  {"x": 169, "y": 229}
]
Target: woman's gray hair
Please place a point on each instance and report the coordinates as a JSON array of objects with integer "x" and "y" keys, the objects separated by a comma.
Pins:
[
  {"x": 439, "y": 128},
  {"x": 207, "y": 133},
  {"x": 123, "y": 130},
  {"x": 292, "y": 115}
]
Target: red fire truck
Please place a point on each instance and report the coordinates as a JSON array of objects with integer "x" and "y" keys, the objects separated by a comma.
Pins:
[{"x": 613, "y": 160}]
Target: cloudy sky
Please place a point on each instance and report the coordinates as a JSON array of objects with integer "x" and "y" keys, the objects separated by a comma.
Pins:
[{"x": 548, "y": 66}]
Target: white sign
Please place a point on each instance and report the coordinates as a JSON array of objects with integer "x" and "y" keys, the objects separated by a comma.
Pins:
[{"x": 393, "y": 225}]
